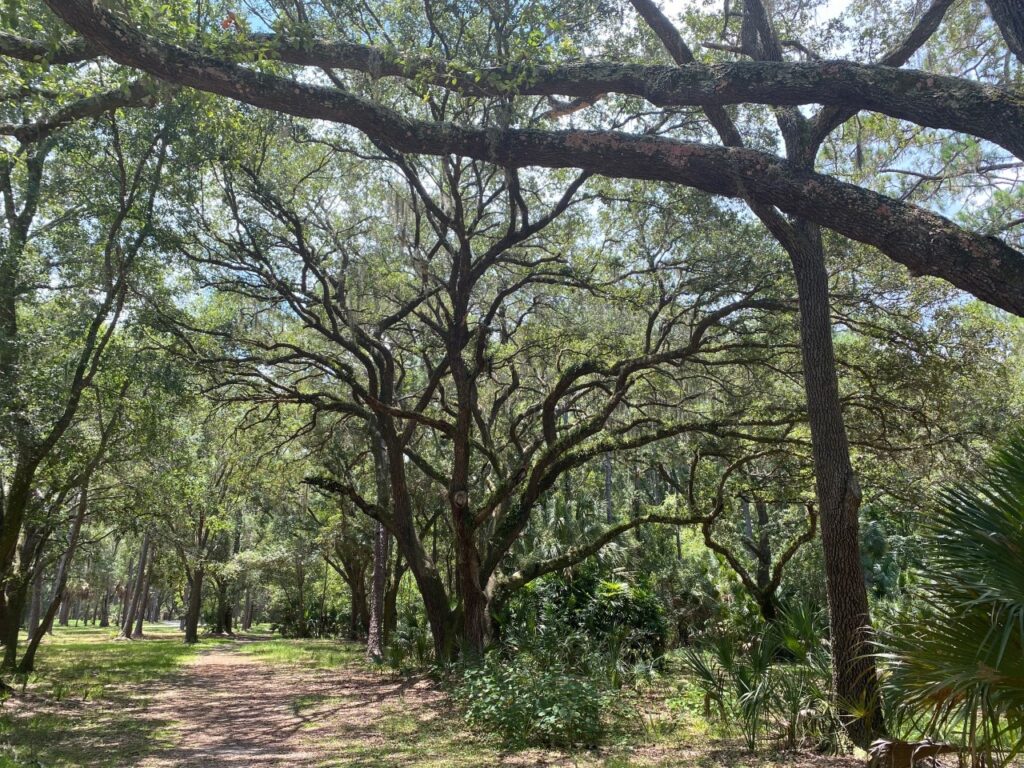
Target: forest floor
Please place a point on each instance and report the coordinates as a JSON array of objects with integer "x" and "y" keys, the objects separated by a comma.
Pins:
[{"x": 269, "y": 703}]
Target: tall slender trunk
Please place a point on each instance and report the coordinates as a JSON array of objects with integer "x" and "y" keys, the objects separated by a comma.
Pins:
[
  {"x": 375, "y": 633},
  {"x": 126, "y": 594},
  {"x": 300, "y": 573},
  {"x": 15, "y": 506},
  {"x": 609, "y": 512},
  {"x": 247, "y": 611},
  {"x": 764, "y": 547},
  {"x": 391, "y": 598},
  {"x": 195, "y": 604},
  {"x": 381, "y": 547},
  {"x": 144, "y": 596},
  {"x": 359, "y": 615},
  {"x": 16, "y": 595},
  {"x": 105, "y": 608},
  {"x": 853, "y": 667},
  {"x": 223, "y": 614},
  {"x": 35, "y": 606},
  {"x": 136, "y": 595}
]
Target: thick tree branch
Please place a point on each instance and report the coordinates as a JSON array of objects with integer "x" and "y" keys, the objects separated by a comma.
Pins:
[
  {"x": 920, "y": 97},
  {"x": 68, "y": 52},
  {"x": 923, "y": 241},
  {"x": 139, "y": 93}
]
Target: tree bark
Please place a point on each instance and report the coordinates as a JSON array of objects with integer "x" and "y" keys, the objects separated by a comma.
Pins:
[
  {"x": 223, "y": 617},
  {"x": 391, "y": 598},
  {"x": 359, "y": 609},
  {"x": 128, "y": 620},
  {"x": 144, "y": 596},
  {"x": 64, "y": 616},
  {"x": 35, "y": 608},
  {"x": 375, "y": 632},
  {"x": 381, "y": 549},
  {"x": 16, "y": 593},
  {"x": 15, "y": 607},
  {"x": 1009, "y": 17},
  {"x": 195, "y": 604},
  {"x": 247, "y": 611},
  {"x": 609, "y": 511},
  {"x": 838, "y": 492}
]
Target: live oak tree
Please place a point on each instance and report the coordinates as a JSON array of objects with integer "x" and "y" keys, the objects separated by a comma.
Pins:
[{"x": 451, "y": 343}]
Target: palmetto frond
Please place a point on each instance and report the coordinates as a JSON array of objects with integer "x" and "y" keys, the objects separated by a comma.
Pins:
[{"x": 961, "y": 661}]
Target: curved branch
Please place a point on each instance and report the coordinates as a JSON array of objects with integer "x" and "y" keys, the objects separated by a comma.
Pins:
[
  {"x": 923, "y": 241},
  {"x": 69, "y": 52},
  {"x": 142, "y": 92},
  {"x": 538, "y": 568}
]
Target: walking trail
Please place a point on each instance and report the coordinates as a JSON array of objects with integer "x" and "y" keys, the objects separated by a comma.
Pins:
[{"x": 232, "y": 709}]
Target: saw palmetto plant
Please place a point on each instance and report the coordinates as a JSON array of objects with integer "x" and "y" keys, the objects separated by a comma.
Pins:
[{"x": 959, "y": 664}]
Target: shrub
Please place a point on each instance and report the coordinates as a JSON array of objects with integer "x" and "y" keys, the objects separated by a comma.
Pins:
[
  {"x": 774, "y": 688},
  {"x": 626, "y": 615},
  {"x": 529, "y": 702},
  {"x": 411, "y": 644}
]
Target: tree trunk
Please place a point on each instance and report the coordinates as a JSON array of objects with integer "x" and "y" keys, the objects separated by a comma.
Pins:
[
  {"x": 247, "y": 611},
  {"x": 14, "y": 506},
  {"x": 136, "y": 594},
  {"x": 853, "y": 667},
  {"x": 35, "y": 607},
  {"x": 476, "y": 615},
  {"x": 195, "y": 604},
  {"x": 375, "y": 632},
  {"x": 359, "y": 616},
  {"x": 228, "y": 617},
  {"x": 764, "y": 546},
  {"x": 609, "y": 511},
  {"x": 16, "y": 595},
  {"x": 300, "y": 573},
  {"x": 105, "y": 608},
  {"x": 126, "y": 597},
  {"x": 391, "y": 599},
  {"x": 144, "y": 596},
  {"x": 223, "y": 615},
  {"x": 423, "y": 567}
]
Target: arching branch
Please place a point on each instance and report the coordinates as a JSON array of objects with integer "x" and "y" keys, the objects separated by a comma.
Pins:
[{"x": 921, "y": 240}]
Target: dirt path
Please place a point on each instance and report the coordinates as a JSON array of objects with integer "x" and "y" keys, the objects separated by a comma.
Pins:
[
  {"x": 231, "y": 709},
  {"x": 228, "y": 708}
]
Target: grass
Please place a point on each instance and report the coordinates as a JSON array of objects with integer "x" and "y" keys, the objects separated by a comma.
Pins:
[
  {"x": 81, "y": 705},
  {"x": 309, "y": 654}
]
